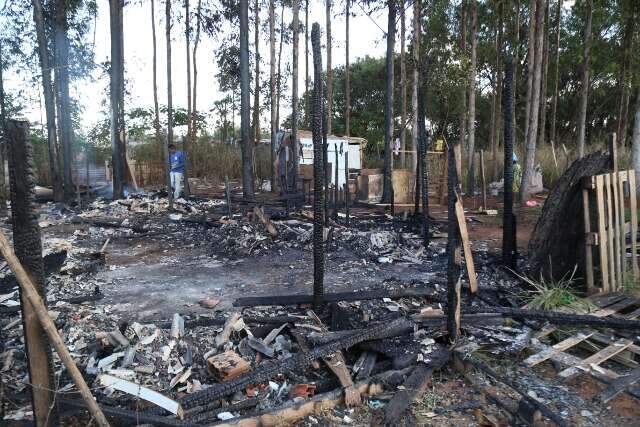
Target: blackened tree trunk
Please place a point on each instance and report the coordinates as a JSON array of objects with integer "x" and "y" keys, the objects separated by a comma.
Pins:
[
  {"x": 471, "y": 172},
  {"x": 403, "y": 88},
  {"x": 584, "y": 89},
  {"x": 272, "y": 91},
  {"x": 187, "y": 37},
  {"x": 62, "y": 81},
  {"x": 247, "y": 144},
  {"x": 167, "y": 160},
  {"x": 318, "y": 176},
  {"x": 347, "y": 77},
  {"x": 530, "y": 152},
  {"x": 554, "y": 103},
  {"x": 623, "y": 101},
  {"x": 255, "y": 127},
  {"x": 116, "y": 103},
  {"x": 279, "y": 79},
  {"x": 329, "y": 70},
  {"x": 508, "y": 251},
  {"x": 423, "y": 144},
  {"x": 454, "y": 261},
  {"x": 294, "y": 98},
  {"x": 515, "y": 52},
  {"x": 49, "y": 102},
  {"x": 387, "y": 187}
]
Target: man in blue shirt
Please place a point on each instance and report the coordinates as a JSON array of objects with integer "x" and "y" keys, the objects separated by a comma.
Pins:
[{"x": 176, "y": 161}]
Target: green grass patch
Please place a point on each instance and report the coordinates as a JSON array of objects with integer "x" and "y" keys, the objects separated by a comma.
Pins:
[{"x": 551, "y": 295}]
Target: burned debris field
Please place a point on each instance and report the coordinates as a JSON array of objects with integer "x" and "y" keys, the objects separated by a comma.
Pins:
[{"x": 266, "y": 213}]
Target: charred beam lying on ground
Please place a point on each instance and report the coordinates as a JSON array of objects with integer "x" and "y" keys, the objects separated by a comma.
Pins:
[
  {"x": 128, "y": 416},
  {"x": 619, "y": 385},
  {"x": 334, "y": 297},
  {"x": 560, "y": 318},
  {"x": 269, "y": 369},
  {"x": 529, "y": 401},
  {"x": 218, "y": 321},
  {"x": 415, "y": 385}
]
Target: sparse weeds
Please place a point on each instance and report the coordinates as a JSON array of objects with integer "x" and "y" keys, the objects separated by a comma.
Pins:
[{"x": 551, "y": 295}]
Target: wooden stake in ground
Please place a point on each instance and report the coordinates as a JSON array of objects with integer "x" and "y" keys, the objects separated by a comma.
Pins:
[
  {"x": 29, "y": 249},
  {"x": 26, "y": 236},
  {"x": 453, "y": 251}
]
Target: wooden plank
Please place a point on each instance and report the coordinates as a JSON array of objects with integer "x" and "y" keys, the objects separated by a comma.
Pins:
[
  {"x": 622, "y": 234},
  {"x": 590, "y": 362},
  {"x": 615, "y": 220},
  {"x": 619, "y": 385},
  {"x": 602, "y": 233},
  {"x": 634, "y": 222},
  {"x": 613, "y": 283},
  {"x": 588, "y": 249},
  {"x": 466, "y": 246},
  {"x": 549, "y": 352}
]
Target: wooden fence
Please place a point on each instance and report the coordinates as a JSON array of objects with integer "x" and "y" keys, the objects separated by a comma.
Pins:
[{"x": 610, "y": 215}]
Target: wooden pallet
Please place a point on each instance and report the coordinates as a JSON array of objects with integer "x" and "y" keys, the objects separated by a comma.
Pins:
[
  {"x": 621, "y": 352},
  {"x": 608, "y": 196}
]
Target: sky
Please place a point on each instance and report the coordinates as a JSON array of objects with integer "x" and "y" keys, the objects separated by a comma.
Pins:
[{"x": 367, "y": 38}]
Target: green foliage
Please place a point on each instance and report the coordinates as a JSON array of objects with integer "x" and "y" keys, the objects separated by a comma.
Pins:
[{"x": 552, "y": 295}]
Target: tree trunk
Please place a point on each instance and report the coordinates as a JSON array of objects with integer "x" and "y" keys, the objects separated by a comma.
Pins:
[
  {"x": 495, "y": 142},
  {"x": 554, "y": 103},
  {"x": 116, "y": 125},
  {"x": 294, "y": 97},
  {"x": 623, "y": 106},
  {"x": 256, "y": 91},
  {"x": 272, "y": 91},
  {"x": 508, "y": 249},
  {"x": 187, "y": 36},
  {"x": 3, "y": 139},
  {"x": 329, "y": 71},
  {"x": 530, "y": 152},
  {"x": 318, "y": 178},
  {"x": 62, "y": 80},
  {"x": 307, "y": 86},
  {"x": 156, "y": 109},
  {"x": 543, "y": 88},
  {"x": 247, "y": 144},
  {"x": 387, "y": 187},
  {"x": 403, "y": 89},
  {"x": 49, "y": 103},
  {"x": 194, "y": 108},
  {"x": 457, "y": 149},
  {"x": 347, "y": 77},
  {"x": 167, "y": 160},
  {"x": 415, "y": 84},
  {"x": 279, "y": 80},
  {"x": 516, "y": 60},
  {"x": 471, "y": 177},
  {"x": 635, "y": 142},
  {"x": 531, "y": 60},
  {"x": 584, "y": 90}
]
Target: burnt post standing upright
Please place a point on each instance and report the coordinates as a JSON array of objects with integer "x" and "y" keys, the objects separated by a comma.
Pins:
[
  {"x": 325, "y": 163},
  {"x": 508, "y": 223},
  {"x": 453, "y": 250},
  {"x": 346, "y": 184},
  {"x": 318, "y": 166},
  {"x": 28, "y": 249},
  {"x": 423, "y": 140}
]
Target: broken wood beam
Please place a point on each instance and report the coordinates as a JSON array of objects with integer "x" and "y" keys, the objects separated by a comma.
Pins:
[
  {"x": 334, "y": 297},
  {"x": 28, "y": 290},
  {"x": 560, "y": 318},
  {"x": 414, "y": 387},
  {"x": 265, "y": 221},
  {"x": 223, "y": 337},
  {"x": 269, "y": 368},
  {"x": 619, "y": 385}
]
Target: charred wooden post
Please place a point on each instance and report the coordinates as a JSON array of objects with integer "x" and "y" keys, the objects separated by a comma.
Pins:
[
  {"x": 454, "y": 283},
  {"x": 28, "y": 249},
  {"x": 508, "y": 220},
  {"x": 346, "y": 184},
  {"x": 227, "y": 190},
  {"x": 318, "y": 178},
  {"x": 423, "y": 142},
  {"x": 336, "y": 189}
]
